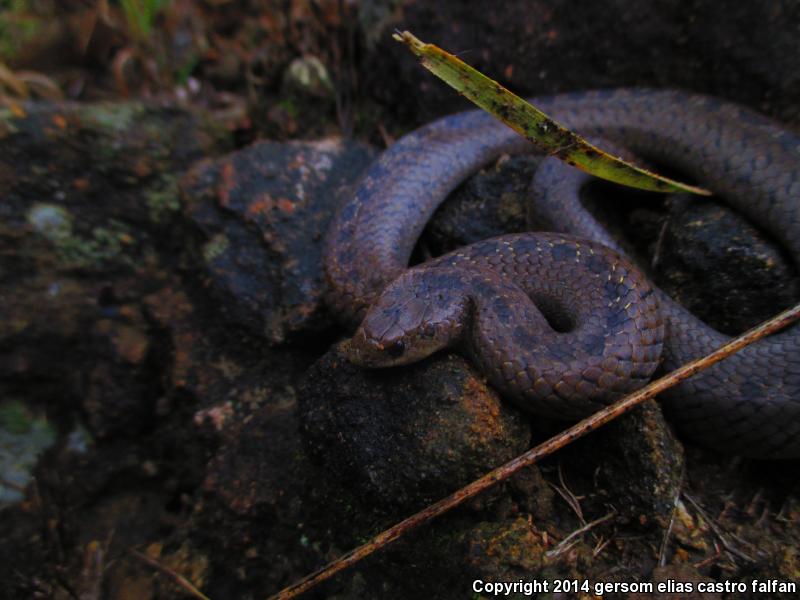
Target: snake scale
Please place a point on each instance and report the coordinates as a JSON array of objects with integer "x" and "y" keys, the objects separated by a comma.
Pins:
[{"x": 600, "y": 328}]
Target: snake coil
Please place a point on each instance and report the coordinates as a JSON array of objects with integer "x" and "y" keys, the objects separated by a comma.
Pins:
[{"x": 598, "y": 331}]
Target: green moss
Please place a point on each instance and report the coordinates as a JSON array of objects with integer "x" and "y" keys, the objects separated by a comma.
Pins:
[
  {"x": 17, "y": 27},
  {"x": 163, "y": 201},
  {"x": 23, "y": 436},
  {"x": 103, "y": 245},
  {"x": 15, "y": 418},
  {"x": 288, "y": 105},
  {"x": 50, "y": 220},
  {"x": 115, "y": 118},
  {"x": 215, "y": 247},
  {"x": 140, "y": 16}
]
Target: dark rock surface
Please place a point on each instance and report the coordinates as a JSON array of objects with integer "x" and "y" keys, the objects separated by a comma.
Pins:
[
  {"x": 407, "y": 436},
  {"x": 100, "y": 330},
  {"x": 260, "y": 501},
  {"x": 722, "y": 268},
  {"x": 488, "y": 204},
  {"x": 89, "y": 198},
  {"x": 743, "y": 53},
  {"x": 393, "y": 441},
  {"x": 263, "y": 212},
  {"x": 643, "y": 443}
]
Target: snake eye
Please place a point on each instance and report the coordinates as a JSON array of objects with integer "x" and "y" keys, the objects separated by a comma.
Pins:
[{"x": 396, "y": 349}]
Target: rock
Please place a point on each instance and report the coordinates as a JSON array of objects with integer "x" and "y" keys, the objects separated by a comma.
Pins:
[
  {"x": 89, "y": 201},
  {"x": 752, "y": 279},
  {"x": 639, "y": 443},
  {"x": 386, "y": 443},
  {"x": 218, "y": 372},
  {"x": 121, "y": 389},
  {"x": 490, "y": 203},
  {"x": 262, "y": 500},
  {"x": 260, "y": 464},
  {"x": 262, "y": 213},
  {"x": 507, "y": 551},
  {"x": 406, "y": 436}
]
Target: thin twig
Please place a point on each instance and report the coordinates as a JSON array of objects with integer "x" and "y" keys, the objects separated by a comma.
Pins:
[
  {"x": 566, "y": 493},
  {"x": 718, "y": 531},
  {"x": 662, "y": 551},
  {"x": 711, "y": 559},
  {"x": 572, "y": 538},
  {"x": 90, "y": 583},
  {"x": 179, "y": 579},
  {"x": 601, "y": 545},
  {"x": 530, "y": 457}
]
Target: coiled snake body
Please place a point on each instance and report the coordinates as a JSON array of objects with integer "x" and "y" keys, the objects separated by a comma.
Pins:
[{"x": 602, "y": 325}]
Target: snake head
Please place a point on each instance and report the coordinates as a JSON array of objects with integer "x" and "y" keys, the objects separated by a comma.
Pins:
[{"x": 420, "y": 313}]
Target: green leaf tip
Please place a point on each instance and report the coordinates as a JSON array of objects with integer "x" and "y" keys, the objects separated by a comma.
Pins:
[{"x": 547, "y": 134}]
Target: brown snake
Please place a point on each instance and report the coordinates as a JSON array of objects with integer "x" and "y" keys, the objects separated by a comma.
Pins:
[{"x": 601, "y": 326}]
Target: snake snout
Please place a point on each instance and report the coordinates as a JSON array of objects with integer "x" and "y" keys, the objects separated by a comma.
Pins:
[
  {"x": 367, "y": 350},
  {"x": 408, "y": 323}
]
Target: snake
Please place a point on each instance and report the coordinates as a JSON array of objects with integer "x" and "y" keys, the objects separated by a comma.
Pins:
[{"x": 562, "y": 322}]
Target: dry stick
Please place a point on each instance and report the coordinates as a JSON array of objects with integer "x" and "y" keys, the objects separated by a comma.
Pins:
[
  {"x": 568, "y": 436},
  {"x": 177, "y": 578}
]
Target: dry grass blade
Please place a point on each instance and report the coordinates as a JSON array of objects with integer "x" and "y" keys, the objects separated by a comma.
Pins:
[
  {"x": 10, "y": 81},
  {"x": 527, "y": 120},
  {"x": 573, "y": 537},
  {"x": 530, "y": 457},
  {"x": 724, "y": 538},
  {"x": 662, "y": 550},
  {"x": 40, "y": 85}
]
